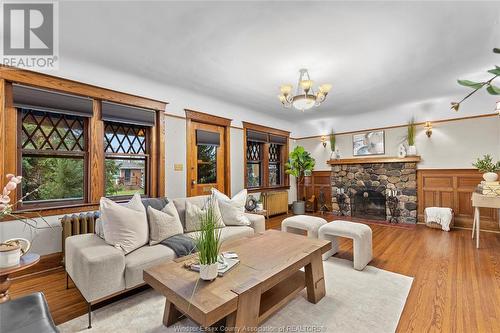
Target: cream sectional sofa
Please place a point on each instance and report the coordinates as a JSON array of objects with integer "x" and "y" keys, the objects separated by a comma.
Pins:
[{"x": 100, "y": 270}]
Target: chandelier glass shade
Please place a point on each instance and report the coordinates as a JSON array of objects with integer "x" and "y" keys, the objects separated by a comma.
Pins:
[{"x": 305, "y": 97}]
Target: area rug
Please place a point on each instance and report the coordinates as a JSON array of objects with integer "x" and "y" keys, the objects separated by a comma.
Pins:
[{"x": 371, "y": 300}]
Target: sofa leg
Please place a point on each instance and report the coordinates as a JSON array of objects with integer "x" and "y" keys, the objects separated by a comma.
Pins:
[
  {"x": 67, "y": 281},
  {"x": 90, "y": 315}
]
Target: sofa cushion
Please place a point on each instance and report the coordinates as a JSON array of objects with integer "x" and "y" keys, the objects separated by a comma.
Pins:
[
  {"x": 180, "y": 204},
  {"x": 142, "y": 258},
  {"x": 232, "y": 209},
  {"x": 156, "y": 203},
  {"x": 195, "y": 213},
  {"x": 96, "y": 268},
  {"x": 229, "y": 233},
  {"x": 163, "y": 223},
  {"x": 125, "y": 226}
]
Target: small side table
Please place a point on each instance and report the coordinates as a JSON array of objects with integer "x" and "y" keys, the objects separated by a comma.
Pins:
[
  {"x": 482, "y": 201},
  {"x": 259, "y": 212},
  {"x": 26, "y": 261}
]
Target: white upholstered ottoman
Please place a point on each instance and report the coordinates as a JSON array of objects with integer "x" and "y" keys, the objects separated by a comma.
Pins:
[
  {"x": 298, "y": 223},
  {"x": 361, "y": 235}
]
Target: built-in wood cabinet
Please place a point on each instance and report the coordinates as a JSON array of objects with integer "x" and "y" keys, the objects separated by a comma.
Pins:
[
  {"x": 317, "y": 182},
  {"x": 453, "y": 188}
]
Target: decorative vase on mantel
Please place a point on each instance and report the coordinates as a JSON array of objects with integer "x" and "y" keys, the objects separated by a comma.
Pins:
[{"x": 412, "y": 151}]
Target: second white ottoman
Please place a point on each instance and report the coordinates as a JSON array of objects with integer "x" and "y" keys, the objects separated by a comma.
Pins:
[
  {"x": 299, "y": 223},
  {"x": 361, "y": 236}
]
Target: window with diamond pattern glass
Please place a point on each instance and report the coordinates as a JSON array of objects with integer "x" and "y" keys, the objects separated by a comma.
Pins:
[{"x": 53, "y": 150}]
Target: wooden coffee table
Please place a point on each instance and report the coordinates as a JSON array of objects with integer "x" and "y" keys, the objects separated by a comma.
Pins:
[{"x": 267, "y": 277}]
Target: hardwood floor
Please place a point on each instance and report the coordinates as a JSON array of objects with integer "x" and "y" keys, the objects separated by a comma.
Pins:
[{"x": 456, "y": 287}]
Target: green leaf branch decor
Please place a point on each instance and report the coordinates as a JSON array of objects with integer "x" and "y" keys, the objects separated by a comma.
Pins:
[
  {"x": 333, "y": 140},
  {"x": 490, "y": 87},
  {"x": 208, "y": 240},
  {"x": 486, "y": 164},
  {"x": 411, "y": 132}
]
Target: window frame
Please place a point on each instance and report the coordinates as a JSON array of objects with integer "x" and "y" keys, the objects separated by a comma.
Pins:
[
  {"x": 50, "y": 203},
  {"x": 129, "y": 156},
  {"x": 258, "y": 162},
  {"x": 284, "y": 148}
]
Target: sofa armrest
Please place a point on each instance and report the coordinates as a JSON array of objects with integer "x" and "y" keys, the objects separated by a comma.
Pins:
[
  {"x": 258, "y": 222},
  {"x": 96, "y": 268}
]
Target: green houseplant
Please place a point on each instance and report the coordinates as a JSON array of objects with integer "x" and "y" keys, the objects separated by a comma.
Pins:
[
  {"x": 488, "y": 168},
  {"x": 299, "y": 163},
  {"x": 333, "y": 141},
  {"x": 412, "y": 130},
  {"x": 208, "y": 242}
]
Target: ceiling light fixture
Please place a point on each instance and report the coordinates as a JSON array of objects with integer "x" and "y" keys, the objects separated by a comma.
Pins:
[{"x": 305, "y": 96}]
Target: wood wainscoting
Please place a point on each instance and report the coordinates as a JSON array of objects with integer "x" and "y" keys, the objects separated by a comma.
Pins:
[
  {"x": 453, "y": 188},
  {"x": 319, "y": 180}
]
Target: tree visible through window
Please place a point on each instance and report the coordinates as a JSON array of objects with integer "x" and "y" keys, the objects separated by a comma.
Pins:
[{"x": 53, "y": 155}]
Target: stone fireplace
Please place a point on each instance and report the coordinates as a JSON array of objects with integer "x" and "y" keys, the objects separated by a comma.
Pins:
[{"x": 366, "y": 187}]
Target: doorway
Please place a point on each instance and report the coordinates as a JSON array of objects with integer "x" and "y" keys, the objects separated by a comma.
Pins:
[{"x": 207, "y": 153}]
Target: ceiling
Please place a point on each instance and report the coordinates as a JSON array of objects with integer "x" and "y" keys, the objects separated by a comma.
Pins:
[{"x": 377, "y": 55}]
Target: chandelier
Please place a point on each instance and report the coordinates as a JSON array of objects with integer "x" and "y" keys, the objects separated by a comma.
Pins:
[{"x": 305, "y": 97}]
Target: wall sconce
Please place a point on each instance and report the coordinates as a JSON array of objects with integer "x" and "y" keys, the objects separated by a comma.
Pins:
[
  {"x": 323, "y": 141},
  {"x": 428, "y": 128}
]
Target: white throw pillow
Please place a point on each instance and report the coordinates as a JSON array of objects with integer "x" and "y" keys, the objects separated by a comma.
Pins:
[
  {"x": 232, "y": 210},
  {"x": 125, "y": 226},
  {"x": 193, "y": 214},
  {"x": 163, "y": 223}
]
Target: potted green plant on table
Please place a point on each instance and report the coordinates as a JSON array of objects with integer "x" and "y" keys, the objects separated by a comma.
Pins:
[
  {"x": 487, "y": 167},
  {"x": 412, "y": 130},
  {"x": 300, "y": 163},
  {"x": 208, "y": 242}
]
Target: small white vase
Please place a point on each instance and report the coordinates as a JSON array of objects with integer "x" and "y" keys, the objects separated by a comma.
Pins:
[
  {"x": 412, "y": 151},
  {"x": 490, "y": 176},
  {"x": 9, "y": 256},
  {"x": 209, "y": 272}
]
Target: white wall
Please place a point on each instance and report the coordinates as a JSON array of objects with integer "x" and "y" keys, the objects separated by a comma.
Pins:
[{"x": 453, "y": 145}]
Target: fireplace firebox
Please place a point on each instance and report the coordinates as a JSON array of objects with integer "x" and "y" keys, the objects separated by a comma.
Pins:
[{"x": 369, "y": 204}]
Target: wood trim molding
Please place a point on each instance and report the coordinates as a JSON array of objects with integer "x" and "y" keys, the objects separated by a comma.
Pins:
[
  {"x": 261, "y": 128},
  {"x": 487, "y": 115},
  {"x": 96, "y": 154},
  {"x": 207, "y": 118},
  {"x": 69, "y": 86},
  {"x": 365, "y": 160}
]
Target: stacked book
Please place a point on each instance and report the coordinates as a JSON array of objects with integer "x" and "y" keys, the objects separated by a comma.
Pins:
[{"x": 489, "y": 188}]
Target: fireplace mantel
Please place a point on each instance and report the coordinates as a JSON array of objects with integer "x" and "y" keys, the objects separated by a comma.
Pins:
[{"x": 365, "y": 160}]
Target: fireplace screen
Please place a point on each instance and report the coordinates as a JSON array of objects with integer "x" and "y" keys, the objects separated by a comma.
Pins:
[{"x": 369, "y": 204}]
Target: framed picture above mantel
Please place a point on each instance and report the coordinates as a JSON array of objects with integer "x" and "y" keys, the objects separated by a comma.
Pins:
[{"x": 368, "y": 143}]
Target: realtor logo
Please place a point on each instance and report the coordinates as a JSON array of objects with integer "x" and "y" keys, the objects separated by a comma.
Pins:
[{"x": 30, "y": 37}]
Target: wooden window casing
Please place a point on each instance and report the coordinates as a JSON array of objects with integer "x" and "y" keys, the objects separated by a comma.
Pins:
[
  {"x": 270, "y": 154},
  {"x": 10, "y": 141}
]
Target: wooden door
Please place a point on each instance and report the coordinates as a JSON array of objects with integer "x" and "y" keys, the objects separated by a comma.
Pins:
[{"x": 206, "y": 164}]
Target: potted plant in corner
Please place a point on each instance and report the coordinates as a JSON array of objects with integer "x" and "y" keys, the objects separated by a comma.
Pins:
[
  {"x": 412, "y": 130},
  {"x": 488, "y": 168},
  {"x": 208, "y": 242},
  {"x": 299, "y": 164}
]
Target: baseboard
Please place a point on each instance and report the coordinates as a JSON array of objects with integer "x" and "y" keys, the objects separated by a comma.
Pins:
[{"x": 47, "y": 262}]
